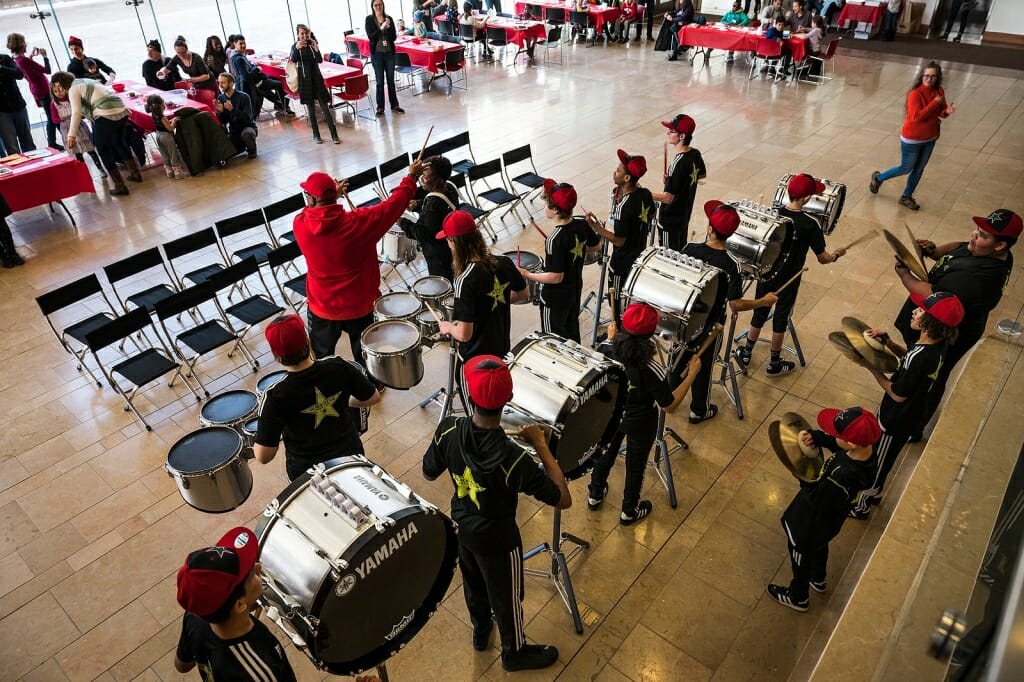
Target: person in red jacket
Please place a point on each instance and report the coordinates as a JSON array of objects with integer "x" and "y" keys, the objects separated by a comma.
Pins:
[
  {"x": 926, "y": 107},
  {"x": 343, "y": 278}
]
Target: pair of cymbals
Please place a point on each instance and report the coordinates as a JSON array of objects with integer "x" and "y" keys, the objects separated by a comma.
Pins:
[
  {"x": 800, "y": 460},
  {"x": 914, "y": 260},
  {"x": 854, "y": 344}
]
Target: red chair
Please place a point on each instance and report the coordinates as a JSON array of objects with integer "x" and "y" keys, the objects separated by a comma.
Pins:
[
  {"x": 355, "y": 63},
  {"x": 357, "y": 88},
  {"x": 769, "y": 52},
  {"x": 206, "y": 96},
  {"x": 804, "y": 74}
]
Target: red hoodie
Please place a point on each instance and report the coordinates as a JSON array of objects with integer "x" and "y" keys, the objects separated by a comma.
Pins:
[
  {"x": 340, "y": 247},
  {"x": 923, "y": 113}
]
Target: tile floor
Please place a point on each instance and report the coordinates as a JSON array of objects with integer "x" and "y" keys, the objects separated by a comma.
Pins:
[{"x": 92, "y": 529}]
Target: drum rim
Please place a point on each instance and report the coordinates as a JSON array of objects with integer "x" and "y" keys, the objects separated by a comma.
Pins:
[
  {"x": 368, "y": 350},
  {"x": 417, "y": 294},
  {"x": 511, "y": 255},
  {"x": 282, "y": 372},
  {"x": 396, "y": 316},
  {"x": 227, "y": 394},
  {"x": 212, "y": 470}
]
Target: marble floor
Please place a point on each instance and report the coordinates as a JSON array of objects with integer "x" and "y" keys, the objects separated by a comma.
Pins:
[{"x": 92, "y": 529}]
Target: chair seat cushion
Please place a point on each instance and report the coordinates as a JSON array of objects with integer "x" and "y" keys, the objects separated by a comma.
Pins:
[
  {"x": 257, "y": 251},
  {"x": 254, "y": 310},
  {"x": 150, "y": 297},
  {"x": 531, "y": 180},
  {"x": 80, "y": 330},
  {"x": 206, "y": 337},
  {"x": 202, "y": 274},
  {"x": 297, "y": 284},
  {"x": 145, "y": 367},
  {"x": 498, "y": 196}
]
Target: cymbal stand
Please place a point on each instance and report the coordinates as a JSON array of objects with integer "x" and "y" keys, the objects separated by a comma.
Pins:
[
  {"x": 728, "y": 362},
  {"x": 662, "y": 465},
  {"x": 452, "y": 388},
  {"x": 558, "y": 573},
  {"x": 598, "y": 296}
]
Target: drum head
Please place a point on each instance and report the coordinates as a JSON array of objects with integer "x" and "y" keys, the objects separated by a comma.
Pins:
[
  {"x": 706, "y": 309},
  {"x": 526, "y": 259},
  {"x": 391, "y": 336},
  {"x": 431, "y": 286},
  {"x": 397, "y": 305},
  {"x": 229, "y": 407},
  {"x": 588, "y": 430},
  {"x": 268, "y": 380},
  {"x": 251, "y": 427},
  {"x": 204, "y": 450}
]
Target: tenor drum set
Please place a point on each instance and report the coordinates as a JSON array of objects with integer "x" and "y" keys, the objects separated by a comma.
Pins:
[{"x": 826, "y": 207}]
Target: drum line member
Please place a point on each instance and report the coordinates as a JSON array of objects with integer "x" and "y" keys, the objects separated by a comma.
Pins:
[
  {"x": 648, "y": 390},
  {"x": 680, "y": 179},
  {"x": 485, "y": 285},
  {"x": 908, "y": 390},
  {"x": 978, "y": 272},
  {"x": 309, "y": 407},
  {"x": 435, "y": 198},
  {"x": 723, "y": 220},
  {"x": 489, "y": 471},
  {"x": 629, "y": 222},
  {"x": 807, "y": 234},
  {"x": 343, "y": 278},
  {"x": 818, "y": 509},
  {"x": 218, "y": 587},
  {"x": 562, "y": 280}
]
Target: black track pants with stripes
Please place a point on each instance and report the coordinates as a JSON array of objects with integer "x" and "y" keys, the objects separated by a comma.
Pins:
[{"x": 493, "y": 583}]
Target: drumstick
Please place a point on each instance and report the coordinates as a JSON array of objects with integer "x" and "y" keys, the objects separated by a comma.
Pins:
[
  {"x": 789, "y": 281},
  {"x": 351, "y": 205},
  {"x": 860, "y": 240},
  {"x": 437, "y": 318},
  {"x": 537, "y": 227},
  {"x": 519, "y": 258},
  {"x": 423, "y": 148},
  {"x": 664, "y": 159},
  {"x": 708, "y": 340},
  {"x": 379, "y": 193}
]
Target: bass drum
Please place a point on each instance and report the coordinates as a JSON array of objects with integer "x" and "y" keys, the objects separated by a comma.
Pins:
[
  {"x": 689, "y": 294},
  {"x": 760, "y": 245},
  {"x": 577, "y": 392},
  {"x": 827, "y": 207},
  {"x": 354, "y": 563}
]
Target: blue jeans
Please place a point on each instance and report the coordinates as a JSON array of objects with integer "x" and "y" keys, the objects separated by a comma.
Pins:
[
  {"x": 889, "y": 23},
  {"x": 16, "y": 131},
  {"x": 913, "y": 159},
  {"x": 384, "y": 66}
]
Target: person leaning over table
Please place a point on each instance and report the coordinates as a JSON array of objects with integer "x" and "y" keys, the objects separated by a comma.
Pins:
[
  {"x": 196, "y": 71},
  {"x": 381, "y": 32},
  {"x": 159, "y": 71}
]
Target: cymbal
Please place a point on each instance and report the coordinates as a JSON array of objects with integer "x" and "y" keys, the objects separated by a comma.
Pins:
[
  {"x": 804, "y": 463},
  {"x": 846, "y": 348},
  {"x": 882, "y": 360},
  {"x": 905, "y": 255},
  {"x": 917, "y": 247}
]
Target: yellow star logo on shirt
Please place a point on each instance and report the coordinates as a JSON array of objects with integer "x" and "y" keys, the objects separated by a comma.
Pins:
[
  {"x": 577, "y": 250},
  {"x": 497, "y": 293},
  {"x": 322, "y": 408},
  {"x": 466, "y": 485},
  {"x": 693, "y": 175},
  {"x": 644, "y": 213}
]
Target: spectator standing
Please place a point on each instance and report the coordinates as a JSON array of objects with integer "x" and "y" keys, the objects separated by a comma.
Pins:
[
  {"x": 38, "y": 83},
  {"x": 14, "y": 126},
  {"x": 312, "y": 89},
  {"x": 380, "y": 29}
]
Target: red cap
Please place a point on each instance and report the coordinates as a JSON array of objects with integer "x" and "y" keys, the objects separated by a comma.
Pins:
[
  {"x": 682, "y": 124},
  {"x": 854, "y": 424},
  {"x": 456, "y": 224},
  {"x": 320, "y": 185},
  {"x": 562, "y": 194},
  {"x": 74, "y": 40},
  {"x": 722, "y": 216},
  {"x": 636, "y": 166},
  {"x": 640, "y": 319},
  {"x": 489, "y": 381},
  {"x": 1002, "y": 223},
  {"x": 944, "y": 306},
  {"x": 286, "y": 335},
  {"x": 209, "y": 575},
  {"x": 804, "y": 185}
]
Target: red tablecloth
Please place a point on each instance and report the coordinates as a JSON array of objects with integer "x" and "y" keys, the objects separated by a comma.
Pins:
[
  {"x": 516, "y": 35},
  {"x": 734, "y": 39},
  {"x": 871, "y": 14},
  {"x": 426, "y": 54},
  {"x": 334, "y": 75},
  {"x": 137, "y": 105},
  {"x": 45, "y": 180},
  {"x": 599, "y": 15}
]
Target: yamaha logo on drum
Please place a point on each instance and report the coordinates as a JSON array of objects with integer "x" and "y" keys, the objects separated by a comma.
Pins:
[
  {"x": 592, "y": 391},
  {"x": 363, "y": 481},
  {"x": 345, "y": 585},
  {"x": 394, "y": 544}
]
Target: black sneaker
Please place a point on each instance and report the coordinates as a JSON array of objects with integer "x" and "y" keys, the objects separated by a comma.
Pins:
[
  {"x": 859, "y": 514},
  {"x": 743, "y": 355},
  {"x": 819, "y": 586},
  {"x": 594, "y": 501},
  {"x": 643, "y": 509},
  {"x": 876, "y": 184},
  {"x": 530, "y": 657},
  {"x": 910, "y": 203},
  {"x": 482, "y": 636},
  {"x": 777, "y": 369},
  {"x": 782, "y": 595},
  {"x": 710, "y": 414}
]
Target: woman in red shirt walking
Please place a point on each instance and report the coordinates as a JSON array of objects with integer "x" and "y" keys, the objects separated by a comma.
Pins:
[{"x": 926, "y": 107}]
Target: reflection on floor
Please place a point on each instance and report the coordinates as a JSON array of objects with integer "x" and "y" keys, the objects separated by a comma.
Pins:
[{"x": 93, "y": 529}]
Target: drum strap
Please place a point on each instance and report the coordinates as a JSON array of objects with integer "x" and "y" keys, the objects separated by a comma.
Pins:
[{"x": 445, "y": 199}]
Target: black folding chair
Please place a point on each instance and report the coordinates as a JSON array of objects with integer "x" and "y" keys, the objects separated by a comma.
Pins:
[
  {"x": 139, "y": 369},
  {"x": 292, "y": 290},
  {"x": 529, "y": 178},
  {"x": 245, "y": 235},
  {"x": 190, "y": 246},
  {"x": 480, "y": 178},
  {"x": 120, "y": 272},
  {"x": 83, "y": 295},
  {"x": 404, "y": 68},
  {"x": 455, "y": 63},
  {"x": 497, "y": 39},
  {"x": 553, "y": 42},
  {"x": 368, "y": 179},
  {"x": 466, "y": 203},
  {"x": 279, "y": 210},
  {"x": 250, "y": 311},
  {"x": 447, "y": 146},
  {"x": 390, "y": 168}
]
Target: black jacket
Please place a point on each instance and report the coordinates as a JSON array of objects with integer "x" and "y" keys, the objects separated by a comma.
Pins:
[
  {"x": 10, "y": 96},
  {"x": 374, "y": 33},
  {"x": 201, "y": 140},
  {"x": 311, "y": 81}
]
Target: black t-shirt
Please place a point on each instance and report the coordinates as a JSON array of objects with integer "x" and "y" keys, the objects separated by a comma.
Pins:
[
  {"x": 630, "y": 218},
  {"x": 488, "y": 471},
  {"x": 255, "y": 657},
  {"x": 647, "y": 389},
  {"x": 310, "y": 409},
  {"x": 684, "y": 171},
  {"x": 564, "y": 251},
  {"x": 484, "y": 298},
  {"x": 912, "y": 380},
  {"x": 149, "y": 69},
  {"x": 807, "y": 234},
  {"x": 720, "y": 259},
  {"x": 433, "y": 211},
  {"x": 818, "y": 510}
]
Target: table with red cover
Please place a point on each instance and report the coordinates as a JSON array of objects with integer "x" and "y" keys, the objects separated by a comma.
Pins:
[
  {"x": 518, "y": 31},
  {"x": 334, "y": 75},
  {"x": 45, "y": 180},
  {"x": 870, "y": 14},
  {"x": 137, "y": 105},
  {"x": 423, "y": 52},
  {"x": 599, "y": 15},
  {"x": 735, "y": 39}
]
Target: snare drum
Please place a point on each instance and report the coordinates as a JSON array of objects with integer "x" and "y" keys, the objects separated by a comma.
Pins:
[
  {"x": 249, "y": 430},
  {"x": 268, "y": 380},
  {"x": 354, "y": 563},
  {"x": 432, "y": 290},
  {"x": 397, "y": 306},
  {"x": 208, "y": 465},
  {"x": 231, "y": 409},
  {"x": 689, "y": 293},
  {"x": 396, "y": 247},
  {"x": 576, "y": 391},
  {"x": 393, "y": 354},
  {"x": 760, "y": 245},
  {"x": 827, "y": 207},
  {"x": 427, "y": 324},
  {"x": 530, "y": 262},
  {"x": 449, "y": 307}
]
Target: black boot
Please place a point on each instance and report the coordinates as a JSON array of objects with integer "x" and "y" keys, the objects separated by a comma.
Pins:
[
  {"x": 311, "y": 113},
  {"x": 8, "y": 255},
  {"x": 99, "y": 164}
]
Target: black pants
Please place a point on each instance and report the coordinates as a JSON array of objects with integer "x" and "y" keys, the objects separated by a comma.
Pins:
[
  {"x": 493, "y": 583},
  {"x": 884, "y": 454},
  {"x": 783, "y": 308},
  {"x": 808, "y": 564},
  {"x": 638, "y": 447},
  {"x": 244, "y": 139},
  {"x": 649, "y": 9},
  {"x": 111, "y": 140},
  {"x": 672, "y": 232},
  {"x": 325, "y": 106},
  {"x": 272, "y": 89},
  {"x": 324, "y": 335},
  {"x": 700, "y": 391},
  {"x": 384, "y": 70},
  {"x": 439, "y": 264},
  {"x": 615, "y": 282},
  {"x": 560, "y": 314}
]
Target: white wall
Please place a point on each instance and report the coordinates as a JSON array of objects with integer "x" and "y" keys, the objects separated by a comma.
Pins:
[{"x": 1006, "y": 16}]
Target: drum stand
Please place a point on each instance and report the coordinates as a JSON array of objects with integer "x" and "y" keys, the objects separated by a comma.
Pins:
[
  {"x": 728, "y": 362},
  {"x": 392, "y": 266},
  {"x": 598, "y": 296},
  {"x": 452, "y": 389},
  {"x": 662, "y": 464},
  {"x": 558, "y": 574},
  {"x": 794, "y": 350}
]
